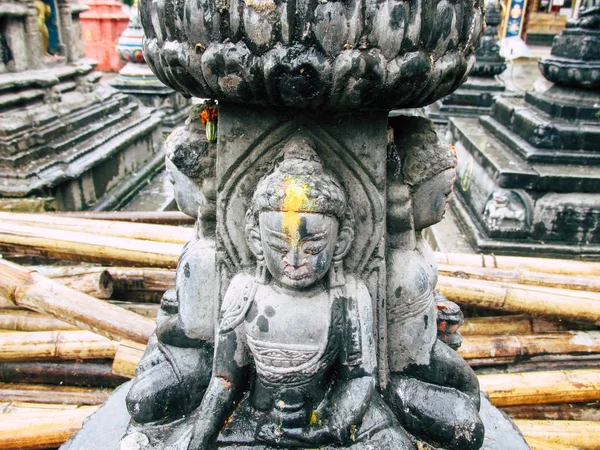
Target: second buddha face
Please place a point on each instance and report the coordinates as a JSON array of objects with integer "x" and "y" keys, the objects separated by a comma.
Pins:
[{"x": 298, "y": 247}]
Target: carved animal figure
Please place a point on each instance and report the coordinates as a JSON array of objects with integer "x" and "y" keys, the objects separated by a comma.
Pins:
[{"x": 498, "y": 209}]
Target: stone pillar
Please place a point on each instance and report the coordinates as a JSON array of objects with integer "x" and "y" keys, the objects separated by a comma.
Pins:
[
  {"x": 34, "y": 52},
  {"x": 15, "y": 38},
  {"x": 69, "y": 39}
]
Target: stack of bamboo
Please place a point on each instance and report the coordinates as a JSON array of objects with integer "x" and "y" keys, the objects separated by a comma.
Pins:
[{"x": 74, "y": 325}]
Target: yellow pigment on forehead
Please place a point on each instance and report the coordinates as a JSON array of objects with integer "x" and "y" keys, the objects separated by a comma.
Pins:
[{"x": 296, "y": 199}]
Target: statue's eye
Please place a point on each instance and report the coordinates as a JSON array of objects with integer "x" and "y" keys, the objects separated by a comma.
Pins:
[
  {"x": 279, "y": 248},
  {"x": 313, "y": 249}
]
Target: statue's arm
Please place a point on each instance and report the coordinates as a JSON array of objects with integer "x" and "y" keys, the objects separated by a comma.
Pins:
[
  {"x": 229, "y": 367},
  {"x": 218, "y": 401},
  {"x": 353, "y": 393}
]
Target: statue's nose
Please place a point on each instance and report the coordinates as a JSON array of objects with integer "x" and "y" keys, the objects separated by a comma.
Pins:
[{"x": 294, "y": 258}]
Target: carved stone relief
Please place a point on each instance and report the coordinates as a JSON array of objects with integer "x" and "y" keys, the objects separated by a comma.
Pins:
[{"x": 312, "y": 321}]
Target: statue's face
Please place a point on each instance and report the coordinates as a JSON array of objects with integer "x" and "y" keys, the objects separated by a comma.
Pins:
[
  {"x": 187, "y": 194},
  {"x": 431, "y": 197},
  {"x": 298, "y": 247}
]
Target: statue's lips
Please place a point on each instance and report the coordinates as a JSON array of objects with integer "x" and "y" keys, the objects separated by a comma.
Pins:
[{"x": 297, "y": 273}]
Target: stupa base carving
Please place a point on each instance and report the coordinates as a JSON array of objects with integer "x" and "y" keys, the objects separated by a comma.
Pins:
[{"x": 67, "y": 137}]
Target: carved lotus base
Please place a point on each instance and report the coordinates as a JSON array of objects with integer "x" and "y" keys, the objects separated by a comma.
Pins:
[{"x": 323, "y": 55}]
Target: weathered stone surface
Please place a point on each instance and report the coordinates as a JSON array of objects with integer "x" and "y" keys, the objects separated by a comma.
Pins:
[
  {"x": 103, "y": 429},
  {"x": 529, "y": 174},
  {"x": 475, "y": 96},
  {"x": 61, "y": 133},
  {"x": 575, "y": 58},
  {"x": 313, "y": 56},
  {"x": 305, "y": 322},
  {"x": 136, "y": 78}
]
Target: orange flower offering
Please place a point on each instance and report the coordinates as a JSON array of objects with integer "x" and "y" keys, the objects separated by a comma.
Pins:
[{"x": 209, "y": 114}]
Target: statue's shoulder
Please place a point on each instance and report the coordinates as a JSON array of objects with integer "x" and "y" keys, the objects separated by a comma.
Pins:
[
  {"x": 357, "y": 290},
  {"x": 237, "y": 301}
]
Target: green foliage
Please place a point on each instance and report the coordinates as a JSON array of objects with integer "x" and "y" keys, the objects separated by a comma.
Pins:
[{"x": 128, "y": 2}]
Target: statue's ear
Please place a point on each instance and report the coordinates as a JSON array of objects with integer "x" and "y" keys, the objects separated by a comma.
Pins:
[
  {"x": 344, "y": 242},
  {"x": 253, "y": 240}
]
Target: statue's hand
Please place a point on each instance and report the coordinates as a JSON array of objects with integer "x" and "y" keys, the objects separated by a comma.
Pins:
[
  {"x": 310, "y": 435},
  {"x": 296, "y": 437},
  {"x": 201, "y": 437},
  {"x": 150, "y": 360},
  {"x": 190, "y": 437},
  {"x": 273, "y": 434}
]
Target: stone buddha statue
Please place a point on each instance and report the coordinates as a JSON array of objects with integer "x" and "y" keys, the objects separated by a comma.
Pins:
[
  {"x": 176, "y": 366},
  {"x": 295, "y": 359},
  {"x": 421, "y": 365}
]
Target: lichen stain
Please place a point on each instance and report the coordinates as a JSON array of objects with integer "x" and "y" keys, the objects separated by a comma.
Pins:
[{"x": 261, "y": 5}]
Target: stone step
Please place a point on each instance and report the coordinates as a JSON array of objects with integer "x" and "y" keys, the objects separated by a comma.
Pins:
[
  {"x": 42, "y": 124},
  {"x": 70, "y": 141},
  {"x": 533, "y": 154},
  {"x": 566, "y": 140},
  {"x": 510, "y": 170},
  {"x": 506, "y": 168},
  {"x": 77, "y": 162}
]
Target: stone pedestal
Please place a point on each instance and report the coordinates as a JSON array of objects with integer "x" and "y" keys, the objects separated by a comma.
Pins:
[
  {"x": 62, "y": 135},
  {"x": 529, "y": 174},
  {"x": 475, "y": 96},
  {"x": 305, "y": 317},
  {"x": 136, "y": 78},
  {"x": 102, "y": 25}
]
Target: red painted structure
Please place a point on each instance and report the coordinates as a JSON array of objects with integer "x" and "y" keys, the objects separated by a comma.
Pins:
[{"x": 102, "y": 25}]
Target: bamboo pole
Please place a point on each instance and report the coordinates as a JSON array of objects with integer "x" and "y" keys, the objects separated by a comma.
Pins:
[
  {"x": 148, "y": 310},
  {"x": 127, "y": 279},
  {"x": 557, "y": 266},
  {"x": 127, "y": 358},
  {"x": 579, "y": 434},
  {"x": 532, "y": 388},
  {"x": 540, "y": 444},
  {"x": 571, "y": 305},
  {"x": 94, "y": 281},
  {"x": 530, "y": 344},
  {"x": 517, "y": 324},
  {"x": 148, "y": 232},
  {"x": 24, "y": 320},
  {"x": 157, "y": 217},
  {"x": 122, "y": 278},
  {"x": 142, "y": 284},
  {"x": 41, "y": 432},
  {"x": 41, "y": 393},
  {"x": 34, "y": 291},
  {"x": 563, "y": 411},
  {"x": 144, "y": 309},
  {"x": 91, "y": 373},
  {"x": 541, "y": 363},
  {"x": 523, "y": 276},
  {"x": 86, "y": 247},
  {"x": 55, "y": 345},
  {"x": 29, "y": 408}
]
